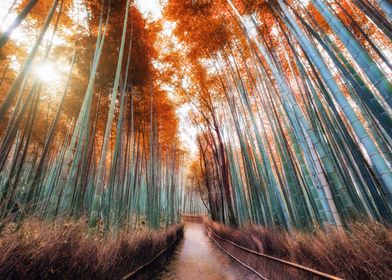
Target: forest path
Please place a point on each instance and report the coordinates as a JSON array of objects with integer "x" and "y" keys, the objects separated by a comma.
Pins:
[{"x": 197, "y": 258}]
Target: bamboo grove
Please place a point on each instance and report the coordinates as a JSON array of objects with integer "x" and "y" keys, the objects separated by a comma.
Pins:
[
  {"x": 96, "y": 146},
  {"x": 292, "y": 101}
]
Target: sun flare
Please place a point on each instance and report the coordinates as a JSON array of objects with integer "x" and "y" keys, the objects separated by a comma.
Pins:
[{"x": 46, "y": 72}]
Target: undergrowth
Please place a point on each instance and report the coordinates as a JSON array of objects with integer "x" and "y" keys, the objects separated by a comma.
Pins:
[
  {"x": 363, "y": 251},
  {"x": 39, "y": 250}
]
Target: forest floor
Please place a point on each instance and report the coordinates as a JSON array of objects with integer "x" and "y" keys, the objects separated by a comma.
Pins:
[
  {"x": 39, "y": 250},
  {"x": 363, "y": 251}
]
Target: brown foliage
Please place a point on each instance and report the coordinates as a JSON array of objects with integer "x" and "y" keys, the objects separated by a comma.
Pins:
[
  {"x": 44, "y": 251},
  {"x": 364, "y": 251},
  {"x": 199, "y": 26}
]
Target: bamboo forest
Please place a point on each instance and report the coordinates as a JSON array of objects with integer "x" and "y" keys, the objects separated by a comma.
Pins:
[{"x": 196, "y": 139}]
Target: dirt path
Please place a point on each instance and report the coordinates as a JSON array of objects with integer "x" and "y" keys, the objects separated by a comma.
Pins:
[{"x": 197, "y": 258}]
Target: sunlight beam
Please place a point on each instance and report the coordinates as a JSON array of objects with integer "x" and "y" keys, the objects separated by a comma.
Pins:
[{"x": 46, "y": 72}]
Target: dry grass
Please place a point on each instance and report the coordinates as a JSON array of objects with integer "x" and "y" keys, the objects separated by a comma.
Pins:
[
  {"x": 45, "y": 251},
  {"x": 362, "y": 252}
]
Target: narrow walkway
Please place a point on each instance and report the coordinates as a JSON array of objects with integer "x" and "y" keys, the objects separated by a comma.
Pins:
[{"x": 197, "y": 258}]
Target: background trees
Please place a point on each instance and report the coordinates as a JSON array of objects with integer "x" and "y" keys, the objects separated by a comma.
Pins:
[
  {"x": 55, "y": 98},
  {"x": 303, "y": 126},
  {"x": 291, "y": 101}
]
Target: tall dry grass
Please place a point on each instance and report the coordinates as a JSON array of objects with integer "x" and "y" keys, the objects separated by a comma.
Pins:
[
  {"x": 38, "y": 250},
  {"x": 364, "y": 251}
]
